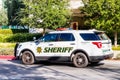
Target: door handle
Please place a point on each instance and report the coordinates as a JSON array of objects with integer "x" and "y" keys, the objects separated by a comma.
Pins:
[
  {"x": 50, "y": 44},
  {"x": 72, "y": 43}
]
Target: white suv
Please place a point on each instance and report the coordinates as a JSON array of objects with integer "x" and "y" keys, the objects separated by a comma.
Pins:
[{"x": 80, "y": 47}]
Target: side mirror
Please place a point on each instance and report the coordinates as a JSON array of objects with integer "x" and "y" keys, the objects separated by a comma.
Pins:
[{"x": 34, "y": 38}]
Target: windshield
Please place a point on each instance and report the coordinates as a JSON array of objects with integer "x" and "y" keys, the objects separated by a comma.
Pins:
[{"x": 48, "y": 38}]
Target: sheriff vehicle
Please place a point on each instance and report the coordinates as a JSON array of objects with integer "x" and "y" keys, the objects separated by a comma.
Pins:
[{"x": 78, "y": 46}]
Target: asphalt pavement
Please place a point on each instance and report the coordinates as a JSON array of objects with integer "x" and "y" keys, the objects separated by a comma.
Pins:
[{"x": 14, "y": 69}]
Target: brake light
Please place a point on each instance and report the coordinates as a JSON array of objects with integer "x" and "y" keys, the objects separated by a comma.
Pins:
[{"x": 98, "y": 44}]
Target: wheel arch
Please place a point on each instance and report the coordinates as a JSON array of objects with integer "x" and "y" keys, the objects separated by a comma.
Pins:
[
  {"x": 79, "y": 50},
  {"x": 25, "y": 50}
]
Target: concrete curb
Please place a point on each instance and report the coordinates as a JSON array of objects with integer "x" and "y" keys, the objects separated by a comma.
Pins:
[
  {"x": 7, "y": 57},
  {"x": 116, "y": 53}
]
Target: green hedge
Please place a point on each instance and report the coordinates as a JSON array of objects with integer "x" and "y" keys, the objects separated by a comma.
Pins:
[
  {"x": 20, "y": 30},
  {"x": 13, "y": 31},
  {"x": 19, "y": 37},
  {"x": 22, "y": 37}
]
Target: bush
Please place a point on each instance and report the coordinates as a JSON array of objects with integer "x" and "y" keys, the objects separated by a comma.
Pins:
[
  {"x": 20, "y": 31},
  {"x": 22, "y": 37},
  {"x": 6, "y": 31},
  {"x": 13, "y": 31},
  {"x": 3, "y": 37}
]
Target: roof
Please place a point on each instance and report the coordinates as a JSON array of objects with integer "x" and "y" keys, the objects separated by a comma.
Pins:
[
  {"x": 73, "y": 31},
  {"x": 77, "y": 31}
]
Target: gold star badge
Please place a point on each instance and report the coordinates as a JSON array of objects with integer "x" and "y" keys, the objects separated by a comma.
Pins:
[{"x": 39, "y": 50}]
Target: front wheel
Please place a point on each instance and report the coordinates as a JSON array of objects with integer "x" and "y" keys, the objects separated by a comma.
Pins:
[
  {"x": 80, "y": 60},
  {"x": 27, "y": 58}
]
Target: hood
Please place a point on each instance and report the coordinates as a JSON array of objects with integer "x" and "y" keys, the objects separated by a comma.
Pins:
[{"x": 31, "y": 43}]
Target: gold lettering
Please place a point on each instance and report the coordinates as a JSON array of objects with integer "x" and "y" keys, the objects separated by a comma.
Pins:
[
  {"x": 69, "y": 49},
  {"x": 46, "y": 50},
  {"x": 57, "y": 49}
]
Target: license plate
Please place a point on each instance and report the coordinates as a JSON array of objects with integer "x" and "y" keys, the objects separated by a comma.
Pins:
[{"x": 104, "y": 51}]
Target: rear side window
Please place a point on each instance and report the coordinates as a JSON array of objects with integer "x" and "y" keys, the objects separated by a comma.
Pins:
[
  {"x": 66, "y": 37},
  {"x": 103, "y": 36},
  {"x": 89, "y": 36}
]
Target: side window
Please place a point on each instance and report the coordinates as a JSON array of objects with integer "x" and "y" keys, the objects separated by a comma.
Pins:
[
  {"x": 89, "y": 36},
  {"x": 49, "y": 38},
  {"x": 66, "y": 37}
]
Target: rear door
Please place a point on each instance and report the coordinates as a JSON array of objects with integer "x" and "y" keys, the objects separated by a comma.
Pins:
[{"x": 65, "y": 44}]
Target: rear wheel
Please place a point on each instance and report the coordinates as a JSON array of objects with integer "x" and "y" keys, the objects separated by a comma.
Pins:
[
  {"x": 80, "y": 60},
  {"x": 28, "y": 58}
]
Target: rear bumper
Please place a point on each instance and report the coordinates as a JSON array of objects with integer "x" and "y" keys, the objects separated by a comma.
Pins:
[{"x": 99, "y": 58}]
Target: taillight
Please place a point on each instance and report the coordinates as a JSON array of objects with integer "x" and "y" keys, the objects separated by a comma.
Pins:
[{"x": 98, "y": 44}]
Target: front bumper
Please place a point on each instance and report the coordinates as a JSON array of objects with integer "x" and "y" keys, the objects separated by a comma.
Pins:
[
  {"x": 99, "y": 58},
  {"x": 15, "y": 49}
]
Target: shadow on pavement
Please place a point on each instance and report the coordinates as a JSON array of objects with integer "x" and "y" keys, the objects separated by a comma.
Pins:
[
  {"x": 49, "y": 63},
  {"x": 14, "y": 69},
  {"x": 43, "y": 70}
]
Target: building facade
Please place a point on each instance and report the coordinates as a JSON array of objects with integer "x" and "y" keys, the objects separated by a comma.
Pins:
[{"x": 77, "y": 18}]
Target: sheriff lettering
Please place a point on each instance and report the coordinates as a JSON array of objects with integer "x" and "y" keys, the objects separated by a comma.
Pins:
[{"x": 57, "y": 49}]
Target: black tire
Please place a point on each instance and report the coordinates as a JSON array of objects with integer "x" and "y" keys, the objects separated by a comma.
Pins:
[
  {"x": 27, "y": 58},
  {"x": 80, "y": 60}
]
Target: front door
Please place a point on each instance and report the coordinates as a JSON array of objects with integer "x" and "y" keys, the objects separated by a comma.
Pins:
[{"x": 45, "y": 45}]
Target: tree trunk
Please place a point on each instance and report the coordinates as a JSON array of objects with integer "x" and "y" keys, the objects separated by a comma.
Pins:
[
  {"x": 115, "y": 39},
  {"x": 43, "y": 31}
]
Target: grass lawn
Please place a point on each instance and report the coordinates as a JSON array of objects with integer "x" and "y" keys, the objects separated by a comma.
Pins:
[
  {"x": 7, "y": 48},
  {"x": 116, "y": 48},
  {"x": 7, "y": 45}
]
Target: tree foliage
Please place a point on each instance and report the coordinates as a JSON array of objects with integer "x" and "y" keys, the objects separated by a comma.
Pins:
[
  {"x": 45, "y": 13},
  {"x": 13, "y": 7},
  {"x": 103, "y": 14},
  {"x": 3, "y": 18}
]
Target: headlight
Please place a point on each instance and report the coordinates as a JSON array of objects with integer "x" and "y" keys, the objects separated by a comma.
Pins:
[{"x": 19, "y": 46}]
